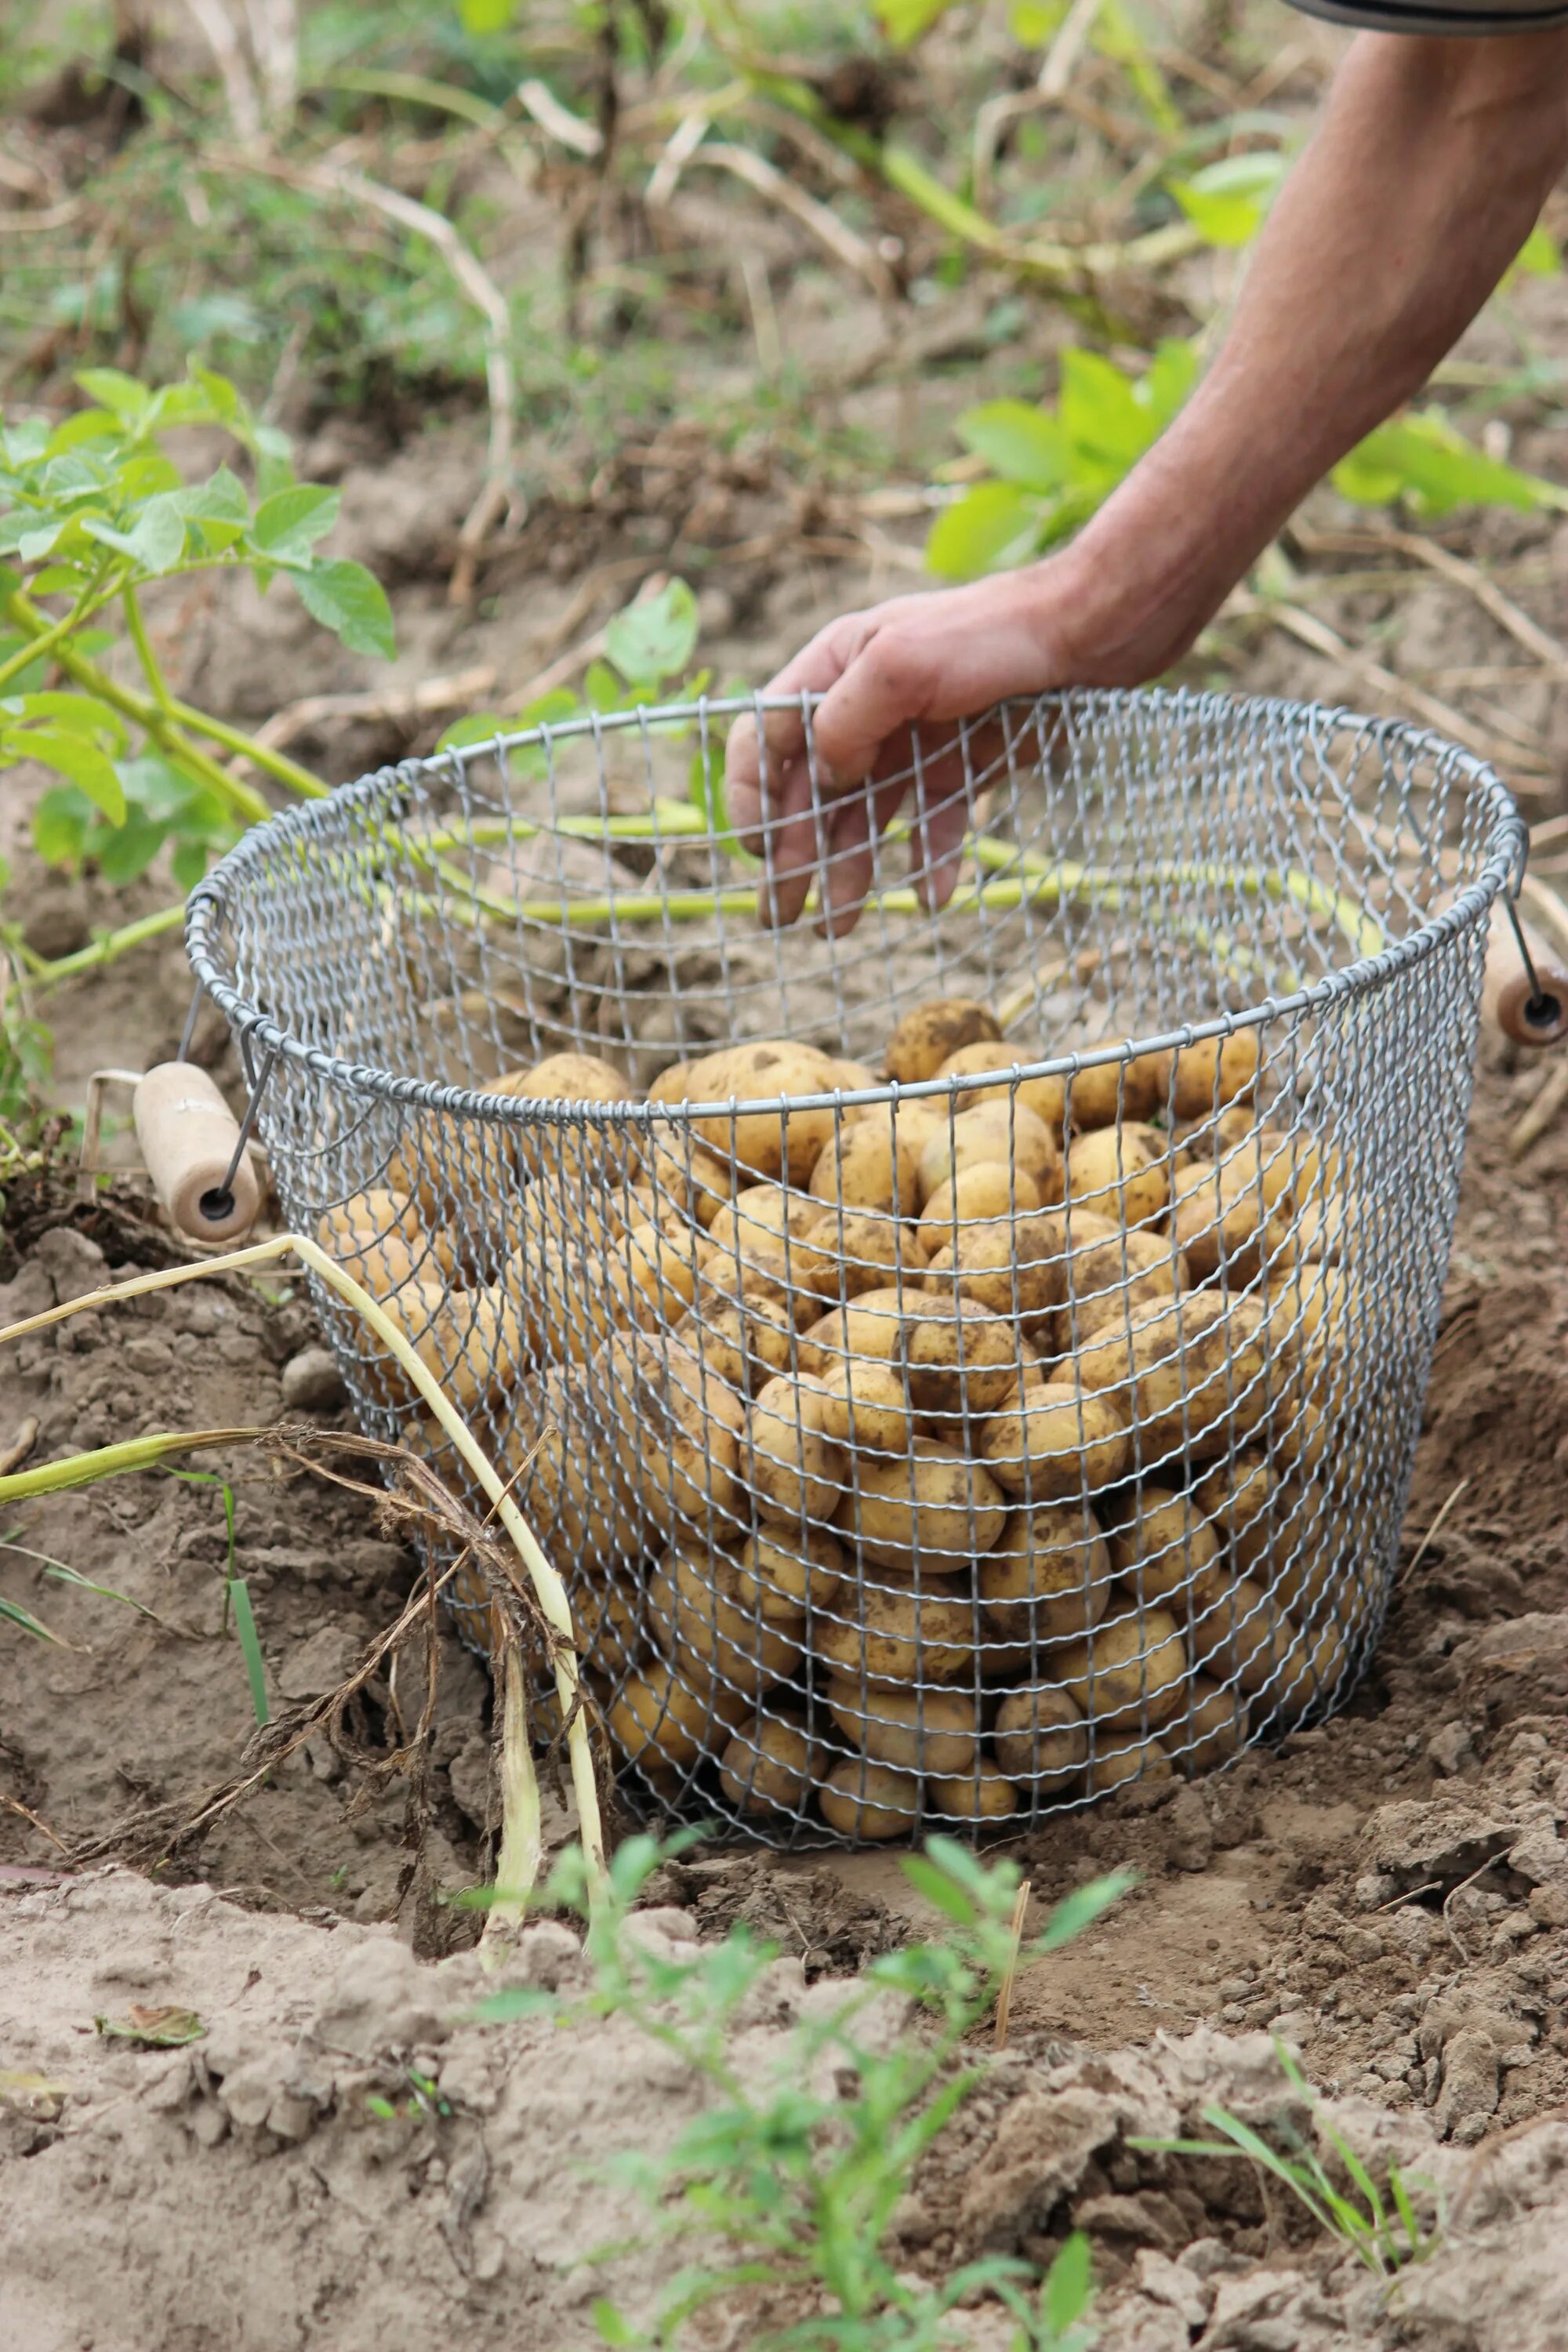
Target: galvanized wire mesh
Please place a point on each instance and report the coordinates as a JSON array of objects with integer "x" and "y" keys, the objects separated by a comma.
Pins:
[{"x": 883, "y": 1503}]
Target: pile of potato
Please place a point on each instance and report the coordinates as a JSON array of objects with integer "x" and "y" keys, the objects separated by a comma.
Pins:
[{"x": 931, "y": 1458}]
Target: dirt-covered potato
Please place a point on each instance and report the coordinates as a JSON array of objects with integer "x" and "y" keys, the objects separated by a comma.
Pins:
[
  {"x": 1047, "y": 1097},
  {"x": 1048, "y": 1579},
  {"x": 1113, "y": 1766},
  {"x": 1018, "y": 1271},
  {"x": 1212, "y": 1138},
  {"x": 567, "y": 1156},
  {"x": 1304, "y": 1563},
  {"x": 377, "y": 1237},
  {"x": 771, "y": 1765},
  {"x": 894, "y": 1635},
  {"x": 1245, "y": 1499},
  {"x": 606, "y": 1612},
  {"x": 589, "y": 1220},
  {"x": 963, "y": 1361},
  {"x": 852, "y": 1253},
  {"x": 1123, "y": 1172},
  {"x": 745, "y": 1341},
  {"x": 652, "y": 1278},
  {"x": 988, "y": 1193},
  {"x": 1054, "y": 1441},
  {"x": 1192, "y": 1377},
  {"x": 930, "y": 1033},
  {"x": 1313, "y": 1669},
  {"x": 863, "y": 1800},
  {"x": 1163, "y": 1548},
  {"x": 778, "y": 1575},
  {"x": 688, "y": 1427},
  {"x": 1130, "y": 1670},
  {"x": 659, "y": 1722},
  {"x": 917, "y": 1730},
  {"x": 590, "y": 1514},
  {"x": 866, "y": 1408},
  {"x": 793, "y": 1469},
  {"x": 1128, "y": 1091},
  {"x": 873, "y": 1165},
  {"x": 473, "y": 1342},
  {"x": 681, "y": 1173},
  {"x": 871, "y": 1332},
  {"x": 781, "y": 1146},
  {"x": 1208, "y": 1727},
  {"x": 669, "y": 1086},
  {"x": 1220, "y": 1217},
  {"x": 1041, "y": 1739},
  {"x": 974, "y": 1796},
  {"x": 1244, "y": 1636},
  {"x": 695, "y": 1617},
  {"x": 1120, "y": 1281},
  {"x": 418, "y": 1309},
  {"x": 853, "y": 1077},
  {"x": 929, "y": 1511},
  {"x": 992, "y": 1131},
  {"x": 1207, "y": 1077}
]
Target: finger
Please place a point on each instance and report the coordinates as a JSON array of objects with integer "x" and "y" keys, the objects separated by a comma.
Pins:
[
  {"x": 756, "y": 759},
  {"x": 791, "y": 845},
  {"x": 847, "y": 868},
  {"x": 943, "y": 809},
  {"x": 883, "y": 690}
]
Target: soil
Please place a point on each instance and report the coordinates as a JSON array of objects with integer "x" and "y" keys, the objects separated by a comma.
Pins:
[{"x": 1387, "y": 1893}]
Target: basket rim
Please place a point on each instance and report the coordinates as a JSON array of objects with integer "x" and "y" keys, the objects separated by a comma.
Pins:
[{"x": 1507, "y": 847}]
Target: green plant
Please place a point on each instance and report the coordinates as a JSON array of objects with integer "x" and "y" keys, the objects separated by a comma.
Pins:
[
  {"x": 1052, "y": 466},
  {"x": 799, "y": 2175},
  {"x": 1387, "y": 2241}
]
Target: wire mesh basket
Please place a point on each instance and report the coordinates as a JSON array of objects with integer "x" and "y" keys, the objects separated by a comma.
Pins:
[{"x": 961, "y": 1365}]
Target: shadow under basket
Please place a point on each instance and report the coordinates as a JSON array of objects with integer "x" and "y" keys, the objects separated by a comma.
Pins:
[{"x": 938, "y": 1449}]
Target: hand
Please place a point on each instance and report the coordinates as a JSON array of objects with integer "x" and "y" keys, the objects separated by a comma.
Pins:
[{"x": 883, "y": 673}]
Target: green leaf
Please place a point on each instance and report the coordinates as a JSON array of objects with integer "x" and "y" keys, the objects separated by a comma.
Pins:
[
  {"x": 905, "y": 22},
  {"x": 939, "y": 1889},
  {"x": 117, "y": 391},
  {"x": 225, "y": 400},
  {"x": 655, "y": 639},
  {"x": 125, "y": 853},
  {"x": 1069, "y": 2284},
  {"x": 1540, "y": 255},
  {"x": 28, "y": 680},
  {"x": 1100, "y": 411},
  {"x": 481, "y": 728},
  {"x": 159, "y": 537},
  {"x": 290, "y": 521},
  {"x": 81, "y": 714},
  {"x": 992, "y": 526},
  {"x": 74, "y": 757},
  {"x": 188, "y": 864},
  {"x": 86, "y": 424},
  {"x": 1021, "y": 444},
  {"x": 601, "y": 690},
  {"x": 612, "y": 2328},
  {"x": 1227, "y": 201},
  {"x": 60, "y": 823},
  {"x": 1032, "y": 23},
  {"x": 1082, "y": 1909},
  {"x": 351, "y": 602},
  {"x": 1425, "y": 458},
  {"x": 218, "y": 508}
]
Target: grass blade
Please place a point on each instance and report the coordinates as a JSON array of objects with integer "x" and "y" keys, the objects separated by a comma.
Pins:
[{"x": 251, "y": 1647}]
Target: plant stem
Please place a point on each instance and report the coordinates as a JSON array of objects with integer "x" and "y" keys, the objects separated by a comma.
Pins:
[
  {"x": 150, "y": 669},
  {"x": 105, "y": 949},
  {"x": 52, "y": 631},
  {"x": 260, "y": 755}
]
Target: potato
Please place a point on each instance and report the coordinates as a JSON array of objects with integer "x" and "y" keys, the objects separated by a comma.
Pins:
[
  {"x": 971, "y": 1797},
  {"x": 377, "y": 1238},
  {"x": 771, "y": 1765},
  {"x": 1303, "y": 1567},
  {"x": 1209, "y": 1138},
  {"x": 1114, "y": 1767},
  {"x": 777, "y": 1576},
  {"x": 930, "y": 1033},
  {"x": 587, "y": 1221},
  {"x": 565, "y": 1157},
  {"x": 783, "y": 1145},
  {"x": 963, "y": 1361},
  {"x": 992, "y": 1131},
  {"x": 871, "y": 1165},
  {"x": 651, "y": 1277},
  {"x": 793, "y": 1469},
  {"x": 681, "y": 1173},
  {"x": 473, "y": 1341},
  {"x": 853, "y": 1077},
  {"x": 1314, "y": 1670},
  {"x": 687, "y": 1426},
  {"x": 757, "y": 1218},
  {"x": 1218, "y": 1218},
  {"x": 607, "y": 1615},
  {"x": 591, "y": 1513},
  {"x": 1191, "y": 1379},
  {"x": 1019, "y": 1270},
  {"x": 851, "y": 1254},
  {"x": 1047, "y": 1580},
  {"x": 988, "y": 1193},
  {"x": 1244, "y": 1637},
  {"x": 1124, "y": 1171},
  {"x": 928, "y": 1512},
  {"x": 1041, "y": 1739},
  {"x": 1130, "y": 1669},
  {"x": 747, "y": 1341},
  {"x": 1123, "y": 1091},
  {"x": 671, "y": 1085},
  {"x": 866, "y": 1407},
  {"x": 1244, "y": 1497},
  {"x": 1047, "y": 1097},
  {"x": 419, "y": 1309},
  {"x": 695, "y": 1616},
  {"x": 917, "y": 1730},
  {"x": 870, "y": 1801},
  {"x": 1119, "y": 1282},
  {"x": 894, "y": 1635},
  {"x": 1205, "y": 1077},
  {"x": 871, "y": 1331},
  {"x": 1166, "y": 1548},
  {"x": 1209, "y": 1727},
  {"x": 658, "y": 1721},
  {"x": 1055, "y": 1441}
]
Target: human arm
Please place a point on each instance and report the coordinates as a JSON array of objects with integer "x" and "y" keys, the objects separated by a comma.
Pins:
[{"x": 1420, "y": 184}]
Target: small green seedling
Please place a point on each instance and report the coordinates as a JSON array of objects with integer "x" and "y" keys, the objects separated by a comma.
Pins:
[{"x": 1387, "y": 2241}]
